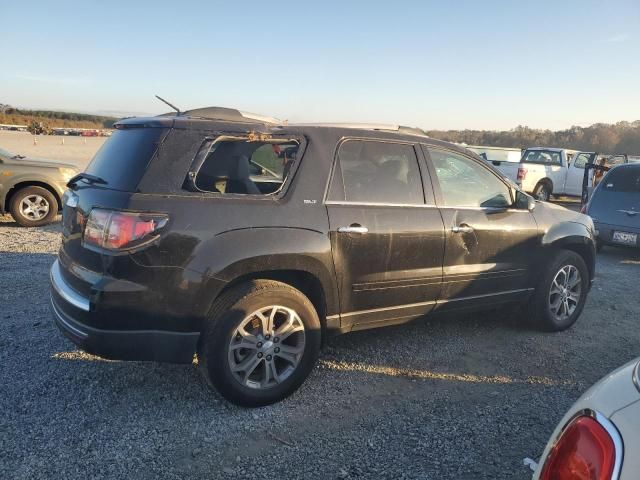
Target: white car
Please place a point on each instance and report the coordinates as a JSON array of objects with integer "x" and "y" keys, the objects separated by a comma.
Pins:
[{"x": 599, "y": 437}]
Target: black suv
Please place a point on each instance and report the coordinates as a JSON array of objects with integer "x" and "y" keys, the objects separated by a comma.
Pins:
[{"x": 246, "y": 241}]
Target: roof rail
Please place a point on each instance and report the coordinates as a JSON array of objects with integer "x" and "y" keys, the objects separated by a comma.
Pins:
[
  {"x": 366, "y": 126},
  {"x": 226, "y": 114}
]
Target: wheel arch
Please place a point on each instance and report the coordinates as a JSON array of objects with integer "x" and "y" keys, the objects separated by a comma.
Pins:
[
  {"x": 298, "y": 257},
  {"x": 576, "y": 238},
  {"x": 545, "y": 181},
  {"x": 30, "y": 183},
  {"x": 302, "y": 280}
]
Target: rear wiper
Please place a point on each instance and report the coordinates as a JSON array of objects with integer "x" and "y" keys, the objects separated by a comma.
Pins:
[
  {"x": 87, "y": 177},
  {"x": 18, "y": 157}
]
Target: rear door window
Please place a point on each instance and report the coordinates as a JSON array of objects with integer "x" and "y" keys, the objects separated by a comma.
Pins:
[
  {"x": 123, "y": 158},
  {"x": 376, "y": 172}
]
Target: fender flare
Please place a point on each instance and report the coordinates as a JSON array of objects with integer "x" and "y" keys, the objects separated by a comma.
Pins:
[
  {"x": 573, "y": 236},
  {"x": 223, "y": 260}
]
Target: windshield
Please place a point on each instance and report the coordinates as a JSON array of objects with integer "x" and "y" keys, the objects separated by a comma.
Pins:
[{"x": 546, "y": 157}]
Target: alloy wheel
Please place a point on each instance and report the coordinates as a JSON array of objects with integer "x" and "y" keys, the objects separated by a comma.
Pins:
[
  {"x": 266, "y": 347},
  {"x": 565, "y": 292},
  {"x": 34, "y": 207}
]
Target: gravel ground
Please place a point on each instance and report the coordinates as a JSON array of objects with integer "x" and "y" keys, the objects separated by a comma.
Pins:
[{"x": 464, "y": 397}]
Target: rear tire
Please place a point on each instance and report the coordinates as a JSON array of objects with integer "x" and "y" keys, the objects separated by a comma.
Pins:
[
  {"x": 561, "y": 293},
  {"x": 542, "y": 192},
  {"x": 253, "y": 314},
  {"x": 33, "y": 206}
]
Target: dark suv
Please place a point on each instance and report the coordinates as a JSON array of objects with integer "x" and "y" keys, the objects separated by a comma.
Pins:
[{"x": 246, "y": 241}]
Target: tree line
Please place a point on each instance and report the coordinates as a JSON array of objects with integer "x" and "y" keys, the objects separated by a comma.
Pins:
[
  {"x": 15, "y": 116},
  {"x": 618, "y": 138}
]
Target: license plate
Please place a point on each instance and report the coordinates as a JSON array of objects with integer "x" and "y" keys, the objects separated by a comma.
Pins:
[{"x": 626, "y": 238}]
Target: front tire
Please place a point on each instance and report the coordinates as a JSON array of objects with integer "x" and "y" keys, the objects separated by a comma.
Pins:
[
  {"x": 561, "y": 293},
  {"x": 33, "y": 207},
  {"x": 260, "y": 342}
]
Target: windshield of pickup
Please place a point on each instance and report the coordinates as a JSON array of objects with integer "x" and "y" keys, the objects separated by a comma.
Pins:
[{"x": 543, "y": 157}]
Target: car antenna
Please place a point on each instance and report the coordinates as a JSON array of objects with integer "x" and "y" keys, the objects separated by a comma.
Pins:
[{"x": 168, "y": 103}]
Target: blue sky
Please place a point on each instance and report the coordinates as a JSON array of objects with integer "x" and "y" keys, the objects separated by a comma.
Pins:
[{"x": 433, "y": 64}]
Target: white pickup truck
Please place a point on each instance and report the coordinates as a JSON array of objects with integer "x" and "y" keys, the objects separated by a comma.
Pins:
[
  {"x": 540, "y": 171},
  {"x": 552, "y": 171},
  {"x": 505, "y": 160}
]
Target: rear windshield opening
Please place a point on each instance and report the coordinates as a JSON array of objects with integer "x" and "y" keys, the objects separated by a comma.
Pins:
[
  {"x": 124, "y": 157},
  {"x": 546, "y": 157},
  {"x": 623, "y": 180},
  {"x": 246, "y": 167}
]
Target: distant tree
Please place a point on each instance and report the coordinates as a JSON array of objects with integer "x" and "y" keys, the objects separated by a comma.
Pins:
[{"x": 622, "y": 137}]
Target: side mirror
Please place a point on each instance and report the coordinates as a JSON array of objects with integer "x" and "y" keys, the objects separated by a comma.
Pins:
[
  {"x": 524, "y": 201},
  {"x": 531, "y": 205}
]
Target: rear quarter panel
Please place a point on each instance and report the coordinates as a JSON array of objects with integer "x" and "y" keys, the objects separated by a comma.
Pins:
[{"x": 213, "y": 239}]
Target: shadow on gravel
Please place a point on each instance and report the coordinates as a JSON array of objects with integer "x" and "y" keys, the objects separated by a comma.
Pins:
[
  {"x": 55, "y": 226},
  {"x": 624, "y": 255}
]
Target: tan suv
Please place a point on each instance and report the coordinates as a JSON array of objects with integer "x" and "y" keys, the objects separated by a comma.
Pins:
[{"x": 31, "y": 189}]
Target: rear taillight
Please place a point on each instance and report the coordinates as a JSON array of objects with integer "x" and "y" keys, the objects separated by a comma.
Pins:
[
  {"x": 113, "y": 230},
  {"x": 522, "y": 173},
  {"x": 585, "y": 450}
]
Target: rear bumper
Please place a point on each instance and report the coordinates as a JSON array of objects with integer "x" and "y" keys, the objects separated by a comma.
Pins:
[
  {"x": 605, "y": 234},
  {"x": 157, "y": 345}
]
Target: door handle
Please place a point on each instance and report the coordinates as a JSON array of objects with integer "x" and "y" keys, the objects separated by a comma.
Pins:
[
  {"x": 353, "y": 228},
  {"x": 462, "y": 229}
]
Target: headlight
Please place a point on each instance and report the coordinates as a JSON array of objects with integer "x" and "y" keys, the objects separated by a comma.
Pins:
[{"x": 67, "y": 173}]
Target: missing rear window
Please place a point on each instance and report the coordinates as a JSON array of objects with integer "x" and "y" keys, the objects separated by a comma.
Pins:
[{"x": 243, "y": 166}]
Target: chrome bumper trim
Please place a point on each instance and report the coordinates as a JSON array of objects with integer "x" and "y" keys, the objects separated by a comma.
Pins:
[
  {"x": 65, "y": 291},
  {"x": 61, "y": 318}
]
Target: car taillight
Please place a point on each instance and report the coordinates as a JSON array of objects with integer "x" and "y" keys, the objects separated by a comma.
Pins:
[
  {"x": 585, "y": 450},
  {"x": 522, "y": 173},
  {"x": 113, "y": 230}
]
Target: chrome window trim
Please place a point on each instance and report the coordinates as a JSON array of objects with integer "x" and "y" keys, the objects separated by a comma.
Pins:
[
  {"x": 379, "y": 204},
  {"x": 426, "y": 205},
  {"x": 65, "y": 291},
  {"x": 491, "y": 209},
  {"x": 609, "y": 427}
]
